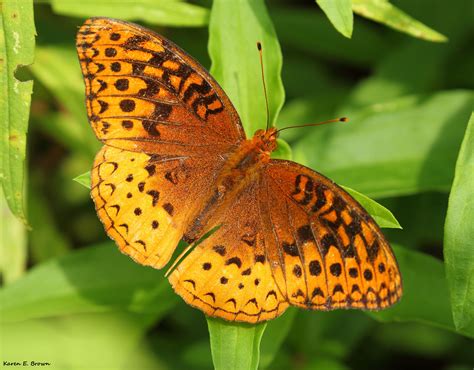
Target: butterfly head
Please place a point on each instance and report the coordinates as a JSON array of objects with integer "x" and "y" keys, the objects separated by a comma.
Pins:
[{"x": 265, "y": 140}]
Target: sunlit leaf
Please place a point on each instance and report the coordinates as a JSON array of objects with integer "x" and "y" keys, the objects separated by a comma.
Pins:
[{"x": 384, "y": 12}]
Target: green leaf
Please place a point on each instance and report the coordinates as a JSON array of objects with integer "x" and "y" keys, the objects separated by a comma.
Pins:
[
  {"x": 94, "y": 279},
  {"x": 162, "y": 12},
  {"x": 459, "y": 235},
  {"x": 384, "y": 12},
  {"x": 381, "y": 215},
  {"x": 425, "y": 293},
  {"x": 235, "y": 28},
  {"x": 340, "y": 14},
  {"x": 17, "y": 42},
  {"x": 404, "y": 146},
  {"x": 235, "y": 346},
  {"x": 13, "y": 251},
  {"x": 84, "y": 179}
]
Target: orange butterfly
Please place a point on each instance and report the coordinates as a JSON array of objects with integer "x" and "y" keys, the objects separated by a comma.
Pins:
[{"x": 176, "y": 163}]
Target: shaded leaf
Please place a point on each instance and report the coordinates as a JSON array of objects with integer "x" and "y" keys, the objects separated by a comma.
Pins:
[
  {"x": 459, "y": 235},
  {"x": 17, "y": 42},
  {"x": 339, "y": 13},
  {"x": 235, "y": 346},
  {"x": 404, "y": 146},
  {"x": 276, "y": 333},
  {"x": 94, "y": 279},
  {"x": 425, "y": 293},
  {"x": 384, "y": 12},
  {"x": 283, "y": 151}
]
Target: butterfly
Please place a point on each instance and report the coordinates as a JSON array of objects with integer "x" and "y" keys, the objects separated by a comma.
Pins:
[{"x": 176, "y": 164}]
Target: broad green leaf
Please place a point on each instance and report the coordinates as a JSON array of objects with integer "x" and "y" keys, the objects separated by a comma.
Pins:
[
  {"x": 235, "y": 346},
  {"x": 162, "y": 12},
  {"x": 404, "y": 146},
  {"x": 17, "y": 42},
  {"x": 459, "y": 235},
  {"x": 276, "y": 333},
  {"x": 94, "y": 279},
  {"x": 384, "y": 12},
  {"x": 340, "y": 14},
  {"x": 425, "y": 293},
  {"x": 84, "y": 179},
  {"x": 381, "y": 215},
  {"x": 235, "y": 28},
  {"x": 13, "y": 251}
]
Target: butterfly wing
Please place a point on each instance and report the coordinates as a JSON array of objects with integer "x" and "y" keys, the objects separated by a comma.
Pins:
[
  {"x": 167, "y": 128},
  {"x": 332, "y": 253},
  {"x": 291, "y": 237},
  {"x": 229, "y": 275},
  {"x": 143, "y": 93}
]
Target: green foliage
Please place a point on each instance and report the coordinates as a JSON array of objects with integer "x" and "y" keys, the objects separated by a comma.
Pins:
[
  {"x": 235, "y": 346},
  {"x": 339, "y": 13},
  {"x": 459, "y": 235},
  {"x": 235, "y": 28},
  {"x": 408, "y": 101},
  {"x": 16, "y": 49}
]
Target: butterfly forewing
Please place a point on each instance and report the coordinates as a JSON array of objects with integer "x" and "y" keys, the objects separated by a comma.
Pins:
[{"x": 142, "y": 91}]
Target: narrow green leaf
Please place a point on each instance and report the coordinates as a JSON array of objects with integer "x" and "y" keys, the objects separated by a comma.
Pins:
[
  {"x": 235, "y": 346},
  {"x": 84, "y": 179},
  {"x": 162, "y": 12},
  {"x": 17, "y": 42},
  {"x": 384, "y": 12},
  {"x": 381, "y": 215},
  {"x": 404, "y": 146},
  {"x": 425, "y": 293},
  {"x": 13, "y": 252},
  {"x": 94, "y": 279},
  {"x": 340, "y": 14},
  {"x": 235, "y": 28},
  {"x": 459, "y": 235}
]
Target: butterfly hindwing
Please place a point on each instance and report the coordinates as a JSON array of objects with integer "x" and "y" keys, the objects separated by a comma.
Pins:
[
  {"x": 143, "y": 93},
  {"x": 333, "y": 253},
  {"x": 229, "y": 275}
]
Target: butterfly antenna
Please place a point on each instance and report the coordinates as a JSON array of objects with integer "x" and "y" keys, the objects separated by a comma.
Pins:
[
  {"x": 342, "y": 119},
  {"x": 259, "y": 47}
]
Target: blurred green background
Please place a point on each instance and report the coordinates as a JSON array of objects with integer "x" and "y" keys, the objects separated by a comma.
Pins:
[{"x": 71, "y": 299}]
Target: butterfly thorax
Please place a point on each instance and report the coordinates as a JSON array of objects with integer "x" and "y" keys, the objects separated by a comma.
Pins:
[{"x": 242, "y": 167}]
